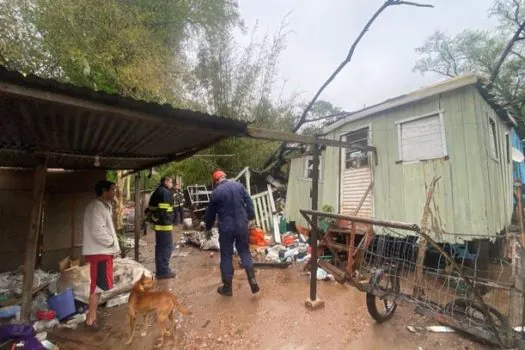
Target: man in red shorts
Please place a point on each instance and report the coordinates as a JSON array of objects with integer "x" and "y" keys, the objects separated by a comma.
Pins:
[{"x": 100, "y": 244}]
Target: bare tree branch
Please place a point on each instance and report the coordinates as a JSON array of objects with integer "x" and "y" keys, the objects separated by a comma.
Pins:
[
  {"x": 278, "y": 154},
  {"x": 350, "y": 54},
  {"x": 505, "y": 53},
  {"x": 410, "y": 3}
]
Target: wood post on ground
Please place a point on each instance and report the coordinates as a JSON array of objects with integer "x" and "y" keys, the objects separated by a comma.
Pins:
[
  {"x": 418, "y": 290},
  {"x": 39, "y": 185},
  {"x": 138, "y": 215}
]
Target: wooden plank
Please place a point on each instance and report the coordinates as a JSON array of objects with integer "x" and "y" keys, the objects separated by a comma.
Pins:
[
  {"x": 276, "y": 232},
  {"x": 138, "y": 215},
  {"x": 264, "y": 213},
  {"x": 275, "y": 135},
  {"x": 32, "y": 239},
  {"x": 418, "y": 291},
  {"x": 365, "y": 195},
  {"x": 256, "y": 210},
  {"x": 73, "y": 228}
]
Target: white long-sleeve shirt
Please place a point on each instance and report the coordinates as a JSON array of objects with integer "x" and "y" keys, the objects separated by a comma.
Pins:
[{"x": 99, "y": 236}]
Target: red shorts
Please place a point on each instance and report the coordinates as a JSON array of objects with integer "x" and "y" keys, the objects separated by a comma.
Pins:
[{"x": 100, "y": 272}]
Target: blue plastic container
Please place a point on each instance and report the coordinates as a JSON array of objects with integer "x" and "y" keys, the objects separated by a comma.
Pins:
[
  {"x": 9, "y": 311},
  {"x": 63, "y": 304}
]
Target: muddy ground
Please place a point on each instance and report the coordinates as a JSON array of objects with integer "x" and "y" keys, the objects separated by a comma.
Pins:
[{"x": 274, "y": 319}]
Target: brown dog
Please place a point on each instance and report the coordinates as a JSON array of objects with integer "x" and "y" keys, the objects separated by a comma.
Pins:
[{"x": 143, "y": 301}]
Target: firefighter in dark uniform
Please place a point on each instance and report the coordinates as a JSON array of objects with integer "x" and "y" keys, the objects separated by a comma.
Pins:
[
  {"x": 232, "y": 204},
  {"x": 161, "y": 217}
]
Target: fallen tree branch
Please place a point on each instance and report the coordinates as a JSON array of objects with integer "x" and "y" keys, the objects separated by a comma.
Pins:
[
  {"x": 516, "y": 37},
  {"x": 388, "y": 3}
]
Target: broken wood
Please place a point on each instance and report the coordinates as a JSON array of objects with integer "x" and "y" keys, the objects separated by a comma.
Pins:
[
  {"x": 418, "y": 290},
  {"x": 39, "y": 185},
  {"x": 280, "y": 265},
  {"x": 363, "y": 198}
]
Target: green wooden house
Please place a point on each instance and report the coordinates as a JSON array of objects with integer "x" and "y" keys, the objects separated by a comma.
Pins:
[{"x": 452, "y": 129}]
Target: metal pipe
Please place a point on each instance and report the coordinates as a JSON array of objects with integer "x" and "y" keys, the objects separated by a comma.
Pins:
[
  {"x": 314, "y": 232},
  {"x": 363, "y": 220},
  {"x": 138, "y": 215}
]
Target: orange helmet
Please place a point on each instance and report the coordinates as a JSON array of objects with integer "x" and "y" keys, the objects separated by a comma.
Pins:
[{"x": 217, "y": 175}]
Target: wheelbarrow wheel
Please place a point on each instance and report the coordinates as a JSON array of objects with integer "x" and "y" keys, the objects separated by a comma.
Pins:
[{"x": 386, "y": 284}]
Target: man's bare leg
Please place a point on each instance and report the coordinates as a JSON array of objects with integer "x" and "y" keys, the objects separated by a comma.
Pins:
[{"x": 92, "y": 308}]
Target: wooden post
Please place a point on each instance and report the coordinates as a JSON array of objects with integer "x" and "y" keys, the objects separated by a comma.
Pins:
[
  {"x": 39, "y": 185},
  {"x": 73, "y": 226},
  {"x": 314, "y": 302},
  {"x": 519, "y": 199},
  {"x": 418, "y": 290},
  {"x": 138, "y": 215}
]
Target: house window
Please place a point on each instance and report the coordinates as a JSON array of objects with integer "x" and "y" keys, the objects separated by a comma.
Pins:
[
  {"x": 493, "y": 139},
  {"x": 309, "y": 166},
  {"x": 353, "y": 158},
  {"x": 422, "y": 138}
]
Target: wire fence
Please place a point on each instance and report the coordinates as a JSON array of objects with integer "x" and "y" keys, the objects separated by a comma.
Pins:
[{"x": 457, "y": 283}]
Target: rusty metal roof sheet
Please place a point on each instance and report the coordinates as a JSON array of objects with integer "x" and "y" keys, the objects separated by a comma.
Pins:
[{"x": 78, "y": 128}]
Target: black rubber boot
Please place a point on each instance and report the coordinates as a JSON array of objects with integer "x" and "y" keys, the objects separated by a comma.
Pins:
[
  {"x": 250, "y": 272},
  {"x": 226, "y": 288}
]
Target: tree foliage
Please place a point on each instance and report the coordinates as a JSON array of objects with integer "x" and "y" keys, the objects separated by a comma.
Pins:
[{"x": 480, "y": 51}]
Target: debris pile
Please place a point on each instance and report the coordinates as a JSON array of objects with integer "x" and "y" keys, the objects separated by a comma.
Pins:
[{"x": 59, "y": 300}]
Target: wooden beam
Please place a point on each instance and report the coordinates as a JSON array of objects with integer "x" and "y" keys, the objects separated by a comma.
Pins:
[
  {"x": 32, "y": 239},
  {"x": 274, "y": 135},
  {"x": 138, "y": 215},
  {"x": 363, "y": 198},
  {"x": 418, "y": 291},
  {"x": 519, "y": 208}
]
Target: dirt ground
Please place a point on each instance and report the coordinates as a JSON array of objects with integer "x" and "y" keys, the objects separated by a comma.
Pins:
[{"x": 274, "y": 319}]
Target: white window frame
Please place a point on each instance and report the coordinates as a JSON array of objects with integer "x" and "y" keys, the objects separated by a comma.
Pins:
[
  {"x": 494, "y": 139},
  {"x": 306, "y": 161},
  {"x": 368, "y": 142},
  {"x": 399, "y": 125}
]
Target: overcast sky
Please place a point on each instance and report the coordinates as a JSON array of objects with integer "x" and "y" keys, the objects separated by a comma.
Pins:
[{"x": 323, "y": 31}]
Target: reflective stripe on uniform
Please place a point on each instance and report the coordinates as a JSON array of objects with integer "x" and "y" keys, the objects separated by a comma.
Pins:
[
  {"x": 166, "y": 206},
  {"x": 163, "y": 227}
]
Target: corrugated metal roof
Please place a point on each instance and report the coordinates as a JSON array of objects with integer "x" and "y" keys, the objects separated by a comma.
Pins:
[{"x": 71, "y": 126}]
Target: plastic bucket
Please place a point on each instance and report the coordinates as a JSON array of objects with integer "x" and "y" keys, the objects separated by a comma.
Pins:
[{"x": 63, "y": 304}]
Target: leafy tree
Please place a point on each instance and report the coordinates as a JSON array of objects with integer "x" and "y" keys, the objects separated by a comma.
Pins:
[{"x": 496, "y": 55}]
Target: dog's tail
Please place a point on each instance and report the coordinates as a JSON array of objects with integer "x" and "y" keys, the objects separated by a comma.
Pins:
[{"x": 183, "y": 310}]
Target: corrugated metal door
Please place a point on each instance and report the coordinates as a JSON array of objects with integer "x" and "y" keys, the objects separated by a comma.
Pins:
[{"x": 356, "y": 176}]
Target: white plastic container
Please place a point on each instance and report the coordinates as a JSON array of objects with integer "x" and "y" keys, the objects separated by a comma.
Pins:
[{"x": 188, "y": 223}]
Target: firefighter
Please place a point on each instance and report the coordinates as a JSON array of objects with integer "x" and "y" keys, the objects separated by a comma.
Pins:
[
  {"x": 233, "y": 206},
  {"x": 161, "y": 216}
]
